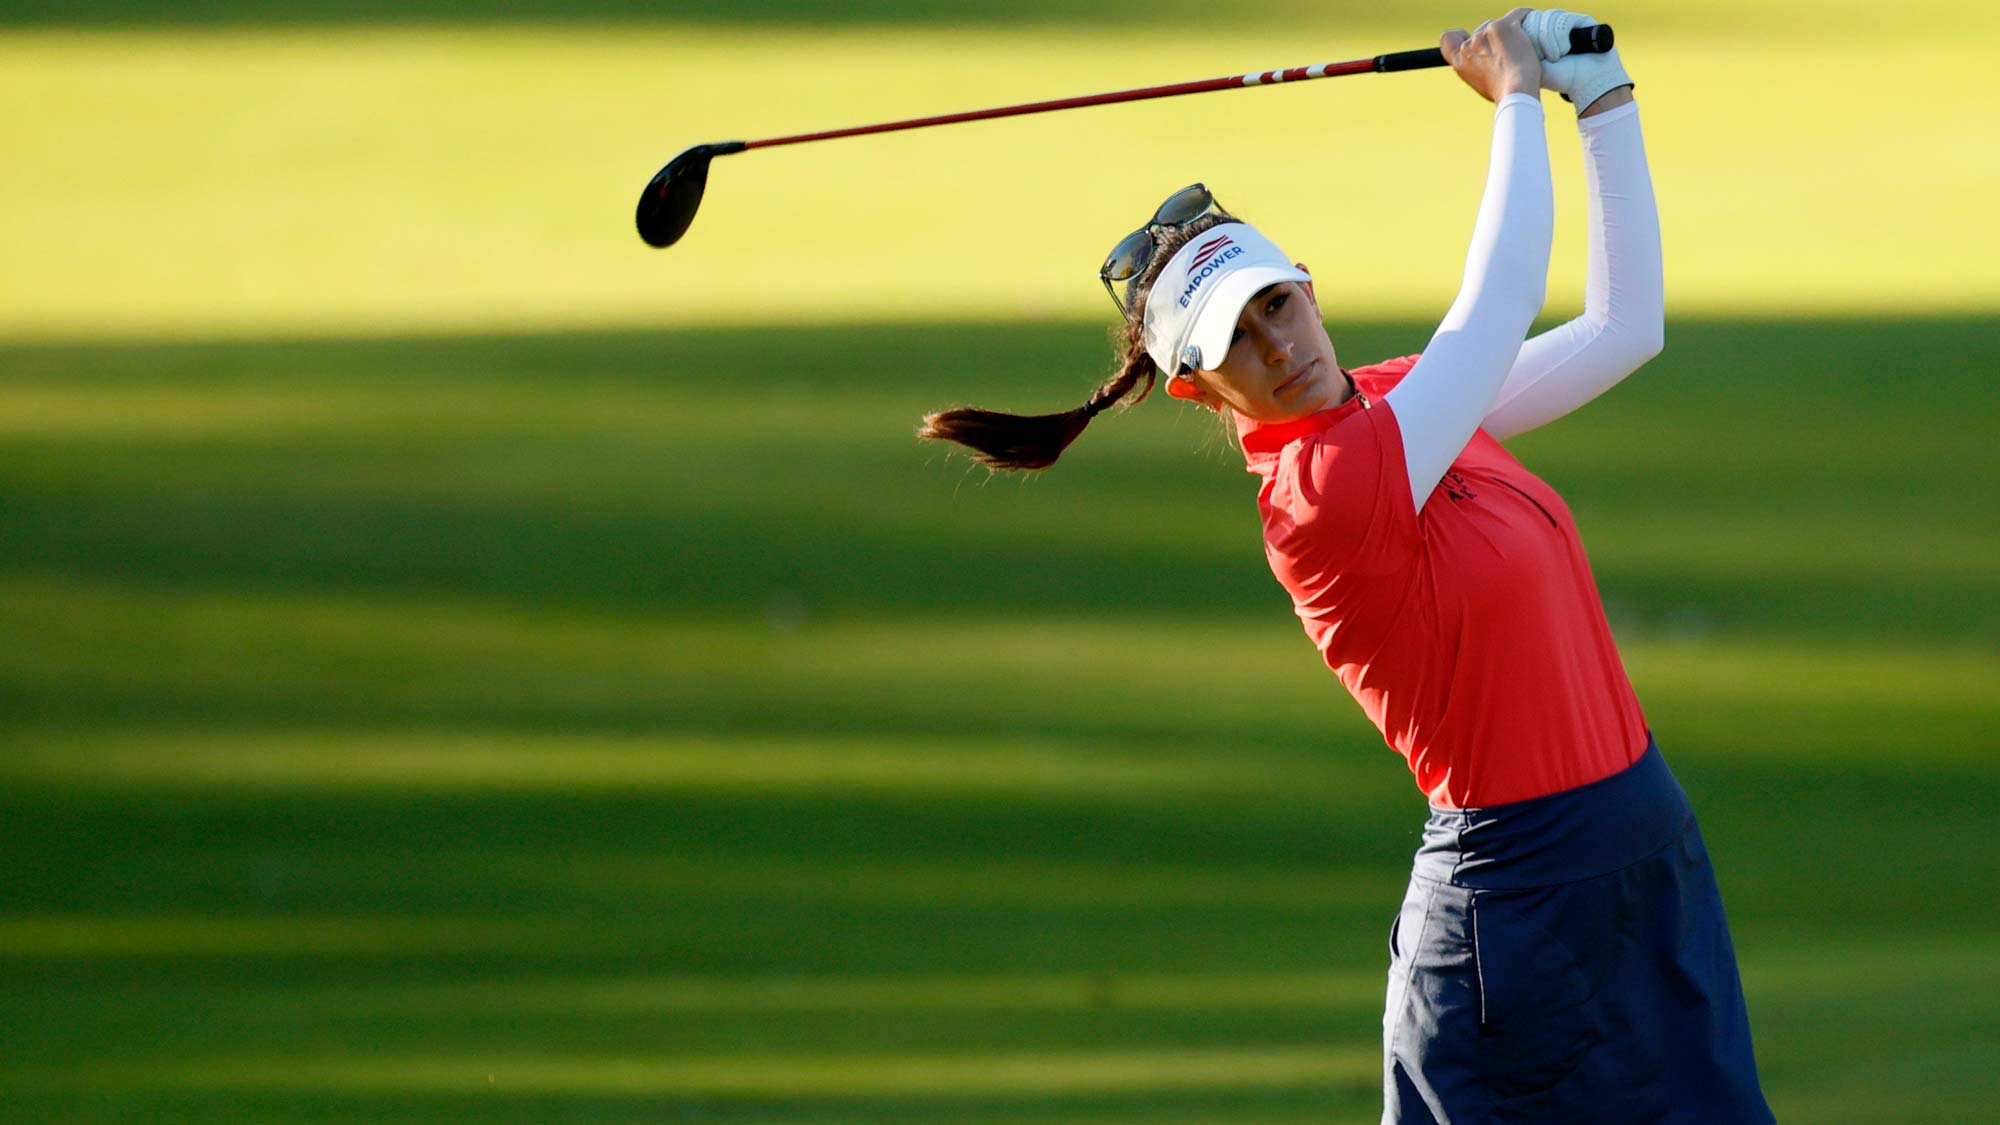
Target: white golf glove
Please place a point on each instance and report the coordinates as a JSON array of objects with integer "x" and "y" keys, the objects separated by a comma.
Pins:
[{"x": 1581, "y": 79}]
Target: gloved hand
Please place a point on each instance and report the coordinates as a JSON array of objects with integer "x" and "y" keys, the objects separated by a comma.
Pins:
[{"x": 1581, "y": 79}]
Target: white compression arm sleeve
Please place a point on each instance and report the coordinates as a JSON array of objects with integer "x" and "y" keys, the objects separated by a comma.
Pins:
[
  {"x": 1441, "y": 401},
  {"x": 1624, "y": 303}
]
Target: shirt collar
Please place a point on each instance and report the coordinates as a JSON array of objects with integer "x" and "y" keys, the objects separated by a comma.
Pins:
[{"x": 1265, "y": 438}]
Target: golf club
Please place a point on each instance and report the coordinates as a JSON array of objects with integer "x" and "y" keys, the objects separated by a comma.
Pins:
[{"x": 669, "y": 202}]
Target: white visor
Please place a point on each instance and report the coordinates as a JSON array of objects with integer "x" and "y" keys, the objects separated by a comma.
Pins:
[{"x": 1192, "y": 308}]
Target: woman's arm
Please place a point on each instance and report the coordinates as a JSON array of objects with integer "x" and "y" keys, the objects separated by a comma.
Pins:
[
  {"x": 1443, "y": 399},
  {"x": 1624, "y": 306}
]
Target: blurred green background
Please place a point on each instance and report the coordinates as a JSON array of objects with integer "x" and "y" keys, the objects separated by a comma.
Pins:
[{"x": 461, "y": 665}]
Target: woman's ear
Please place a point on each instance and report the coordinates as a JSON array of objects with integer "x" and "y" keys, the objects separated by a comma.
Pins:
[
  {"x": 1307, "y": 284},
  {"x": 1184, "y": 388}
]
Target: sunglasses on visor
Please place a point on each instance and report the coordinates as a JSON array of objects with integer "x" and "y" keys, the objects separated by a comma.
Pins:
[{"x": 1128, "y": 259}]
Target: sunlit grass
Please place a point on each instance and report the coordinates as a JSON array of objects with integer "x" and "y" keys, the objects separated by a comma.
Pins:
[
  {"x": 773, "y": 996},
  {"x": 384, "y": 179},
  {"x": 631, "y": 764},
  {"x": 874, "y": 1075},
  {"x": 919, "y": 706},
  {"x": 62, "y": 938}
]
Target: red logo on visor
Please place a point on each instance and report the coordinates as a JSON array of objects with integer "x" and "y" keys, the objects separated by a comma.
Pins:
[{"x": 1206, "y": 252}]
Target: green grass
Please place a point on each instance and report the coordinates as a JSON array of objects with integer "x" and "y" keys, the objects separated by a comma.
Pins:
[
  {"x": 292, "y": 176},
  {"x": 1783, "y": 16},
  {"x": 460, "y": 665},
  {"x": 642, "y": 726}
]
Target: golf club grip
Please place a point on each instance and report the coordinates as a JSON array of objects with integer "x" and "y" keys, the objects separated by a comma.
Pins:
[{"x": 1593, "y": 40}]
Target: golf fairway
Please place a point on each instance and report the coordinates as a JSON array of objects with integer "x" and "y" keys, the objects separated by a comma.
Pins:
[
  {"x": 247, "y": 181},
  {"x": 461, "y": 665},
  {"x": 608, "y": 726}
]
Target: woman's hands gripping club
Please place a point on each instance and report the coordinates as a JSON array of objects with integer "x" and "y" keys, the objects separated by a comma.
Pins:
[
  {"x": 1580, "y": 78},
  {"x": 1497, "y": 58}
]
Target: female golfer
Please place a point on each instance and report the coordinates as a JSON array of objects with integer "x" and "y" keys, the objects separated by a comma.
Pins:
[{"x": 1561, "y": 955}]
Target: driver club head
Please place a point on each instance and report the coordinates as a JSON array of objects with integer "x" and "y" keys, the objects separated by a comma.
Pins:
[{"x": 673, "y": 195}]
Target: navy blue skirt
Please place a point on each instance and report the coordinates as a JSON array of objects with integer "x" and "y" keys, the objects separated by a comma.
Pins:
[{"x": 1565, "y": 959}]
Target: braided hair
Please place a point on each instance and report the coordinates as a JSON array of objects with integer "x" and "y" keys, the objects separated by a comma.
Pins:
[{"x": 1034, "y": 441}]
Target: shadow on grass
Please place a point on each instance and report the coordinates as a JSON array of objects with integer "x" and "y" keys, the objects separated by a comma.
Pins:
[
  {"x": 731, "y": 536},
  {"x": 1797, "y": 477}
]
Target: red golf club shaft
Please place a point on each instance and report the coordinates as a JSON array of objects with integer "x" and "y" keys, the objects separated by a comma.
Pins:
[
  {"x": 1591, "y": 39},
  {"x": 1260, "y": 78}
]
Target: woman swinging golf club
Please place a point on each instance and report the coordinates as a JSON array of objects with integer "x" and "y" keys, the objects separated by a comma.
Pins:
[{"x": 1561, "y": 954}]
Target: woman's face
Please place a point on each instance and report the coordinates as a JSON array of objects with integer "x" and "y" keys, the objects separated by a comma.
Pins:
[{"x": 1280, "y": 365}]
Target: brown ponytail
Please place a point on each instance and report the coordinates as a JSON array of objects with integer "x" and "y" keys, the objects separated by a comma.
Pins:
[{"x": 1015, "y": 441}]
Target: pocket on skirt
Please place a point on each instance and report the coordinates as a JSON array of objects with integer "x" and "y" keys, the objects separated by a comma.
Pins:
[
  {"x": 1407, "y": 928},
  {"x": 1543, "y": 955}
]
